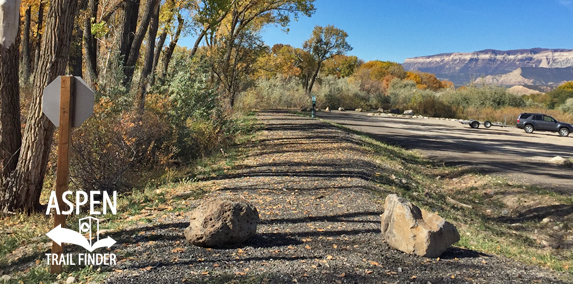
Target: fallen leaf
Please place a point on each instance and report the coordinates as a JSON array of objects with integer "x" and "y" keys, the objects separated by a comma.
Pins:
[
  {"x": 205, "y": 273},
  {"x": 341, "y": 275},
  {"x": 241, "y": 273},
  {"x": 216, "y": 265},
  {"x": 368, "y": 271},
  {"x": 307, "y": 247},
  {"x": 147, "y": 268},
  {"x": 334, "y": 246},
  {"x": 413, "y": 277},
  {"x": 453, "y": 276},
  {"x": 178, "y": 250},
  {"x": 329, "y": 257},
  {"x": 374, "y": 263}
]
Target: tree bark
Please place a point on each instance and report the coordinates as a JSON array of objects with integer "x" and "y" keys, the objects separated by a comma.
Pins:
[
  {"x": 26, "y": 64},
  {"x": 309, "y": 90},
  {"x": 90, "y": 44},
  {"x": 75, "y": 56},
  {"x": 26, "y": 180},
  {"x": 129, "y": 19},
  {"x": 168, "y": 53},
  {"x": 129, "y": 67},
  {"x": 148, "y": 61},
  {"x": 158, "y": 49},
  {"x": 39, "y": 34},
  {"x": 10, "y": 132}
]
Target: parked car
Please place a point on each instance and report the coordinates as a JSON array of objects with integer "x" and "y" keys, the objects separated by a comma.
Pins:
[{"x": 540, "y": 122}]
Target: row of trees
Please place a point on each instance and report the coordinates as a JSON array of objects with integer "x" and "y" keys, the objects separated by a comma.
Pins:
[{"x": 123, "y": 49}]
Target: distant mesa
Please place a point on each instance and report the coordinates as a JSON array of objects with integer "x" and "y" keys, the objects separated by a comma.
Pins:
[{"x": 536, "y": 66}]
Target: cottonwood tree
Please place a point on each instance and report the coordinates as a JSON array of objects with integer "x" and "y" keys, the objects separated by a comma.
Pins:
[
  {"x": 21, "y": 191},
  {"x": 248, "y": 17},
  {"x": 133, "y": 54},
  {"x": 148, "y": 61},
  {"x": 324, "y": 43},
  {"x": 10, "y": 137}
]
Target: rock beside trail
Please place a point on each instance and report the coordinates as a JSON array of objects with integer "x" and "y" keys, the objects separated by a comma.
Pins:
[
  {"x": 327, "y": 109},
  {"x": 220, "y": 222},
  {"x": 341, "y": 109},
  {"x": 409, "y": 112},
  {"x": 416, "y": 231},
  {"x": 558, "y": 160}
]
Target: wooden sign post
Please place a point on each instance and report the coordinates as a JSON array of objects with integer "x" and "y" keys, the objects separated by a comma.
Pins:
[
  {"x": 64, "y": 142},
  {"x": 67, "y": 102}
]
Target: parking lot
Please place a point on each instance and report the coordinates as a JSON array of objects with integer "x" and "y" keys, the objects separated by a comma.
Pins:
[{"x": 507, "y": 151}]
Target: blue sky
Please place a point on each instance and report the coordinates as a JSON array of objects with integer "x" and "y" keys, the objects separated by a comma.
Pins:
[{"x": 398, "y": 29}]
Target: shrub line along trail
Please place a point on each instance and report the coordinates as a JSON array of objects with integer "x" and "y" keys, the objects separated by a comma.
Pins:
[{"x": 320, "y": 221}]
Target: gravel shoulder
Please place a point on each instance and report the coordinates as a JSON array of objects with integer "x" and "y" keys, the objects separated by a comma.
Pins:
[
  {"x": 508, "y": 151},
  {"x": 313, "y": 185}
]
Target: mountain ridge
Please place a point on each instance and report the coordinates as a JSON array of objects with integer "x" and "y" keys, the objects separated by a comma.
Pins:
[{"x": 461, "y": 68}]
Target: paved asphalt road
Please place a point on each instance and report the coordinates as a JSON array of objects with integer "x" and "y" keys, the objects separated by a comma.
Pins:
[{"x": 509, "y": 152}]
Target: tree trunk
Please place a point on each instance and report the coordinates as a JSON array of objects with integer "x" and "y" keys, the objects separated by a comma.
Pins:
[
  {"x": 158, "y": 49},
  {"x": 129, "y": 19},
  {"x": 26, "y": 65},
  {"x": 75, "y": 56},
  {"x": 129, "y": 67},
  {"x": 148, "y": 62},
  {"x": 168, "y": 53},
  {"x": 10, "y": 132},
  {"x": 309, "y": 90},
  {"x": 27, "y": 179},
  {"x": 90, "y": 44},
  {"x": 39, "y": 34}
]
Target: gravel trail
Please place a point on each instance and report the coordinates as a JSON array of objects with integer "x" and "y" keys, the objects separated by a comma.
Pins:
[{"x": 320, "y": 223}]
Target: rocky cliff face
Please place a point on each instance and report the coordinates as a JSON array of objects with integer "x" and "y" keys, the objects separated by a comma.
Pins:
[{"x": 462, "y": 68}]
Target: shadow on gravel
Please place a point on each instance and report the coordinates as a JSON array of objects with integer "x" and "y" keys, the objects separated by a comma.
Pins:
[
  {"x": 454, "y": 252},
  {"x": 538, "y": 214},
  {"x": 335, "y": 218}
]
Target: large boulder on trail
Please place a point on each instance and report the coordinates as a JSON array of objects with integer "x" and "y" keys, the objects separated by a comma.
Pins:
[
  {"x": 221, "y": 222},
  {"x": 409, "y": 112},
  {"x": 416, "y": 231}
]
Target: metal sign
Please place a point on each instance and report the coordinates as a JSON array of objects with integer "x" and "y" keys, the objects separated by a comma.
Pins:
[
  {"x": 313, "y": 99},
  {"x": 83, "y": 101}
]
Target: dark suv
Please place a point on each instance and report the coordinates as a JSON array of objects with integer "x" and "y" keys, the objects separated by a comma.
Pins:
[{"x": 540, "y": 122}]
